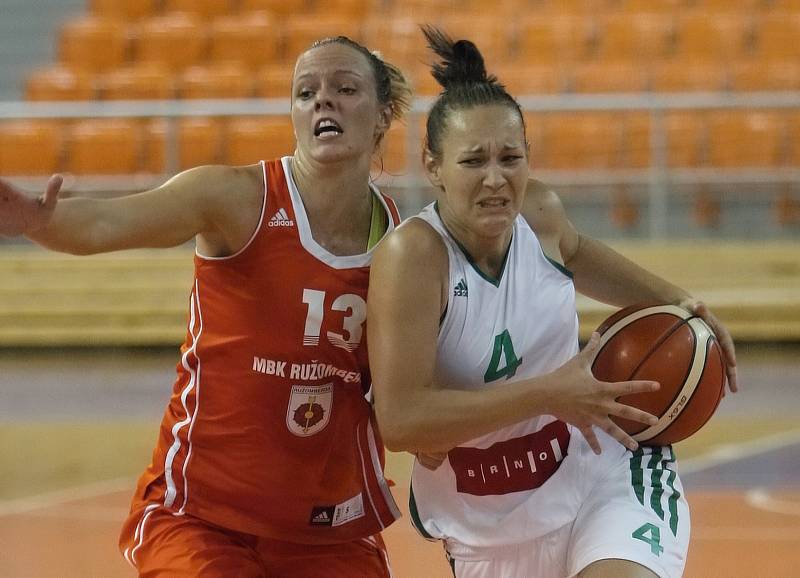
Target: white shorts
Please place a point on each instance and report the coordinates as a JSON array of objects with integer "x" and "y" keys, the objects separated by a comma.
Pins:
[{"x": 638, "y": 512}]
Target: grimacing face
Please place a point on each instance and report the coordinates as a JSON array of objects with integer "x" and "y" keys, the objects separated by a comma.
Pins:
[
  {"x": 335, "y": 110},
  {"x": 482, "y": 170}
]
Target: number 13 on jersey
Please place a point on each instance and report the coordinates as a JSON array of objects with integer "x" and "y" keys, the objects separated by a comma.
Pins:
[{"x": 353, "y": 306}]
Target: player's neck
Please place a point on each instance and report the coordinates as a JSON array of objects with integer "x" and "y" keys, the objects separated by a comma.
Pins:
[{"x": 338, "y": 203}]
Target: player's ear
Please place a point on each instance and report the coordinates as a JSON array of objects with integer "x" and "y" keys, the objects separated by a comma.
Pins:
[{"x": 432, "y": 167}]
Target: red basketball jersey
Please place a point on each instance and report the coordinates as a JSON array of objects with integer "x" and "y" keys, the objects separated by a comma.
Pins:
[{"x": 268, "y": 430}]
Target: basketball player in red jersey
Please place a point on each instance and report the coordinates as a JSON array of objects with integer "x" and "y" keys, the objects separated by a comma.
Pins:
[{"x": 268, "y": 462}]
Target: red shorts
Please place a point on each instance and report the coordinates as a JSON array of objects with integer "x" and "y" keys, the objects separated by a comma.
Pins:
[{"x": 160, "y": 544}]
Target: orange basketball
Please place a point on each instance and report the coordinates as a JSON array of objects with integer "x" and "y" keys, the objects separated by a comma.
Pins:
[{"x": 670, "y": 345}]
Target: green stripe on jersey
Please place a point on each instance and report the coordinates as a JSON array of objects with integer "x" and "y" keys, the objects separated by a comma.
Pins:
[{"x": 415, "y": 520}]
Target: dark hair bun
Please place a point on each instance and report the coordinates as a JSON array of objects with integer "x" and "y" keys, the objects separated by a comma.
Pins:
[{"x": 462, "y": 62}]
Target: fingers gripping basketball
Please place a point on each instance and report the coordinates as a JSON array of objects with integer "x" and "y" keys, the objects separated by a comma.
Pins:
[{"x": 668, "y": 344}]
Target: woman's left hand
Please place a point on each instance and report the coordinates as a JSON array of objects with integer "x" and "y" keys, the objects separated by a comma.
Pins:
[{"x": 723, "y": 337}]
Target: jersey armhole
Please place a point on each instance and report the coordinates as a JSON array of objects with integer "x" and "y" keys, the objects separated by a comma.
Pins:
[{"x": 258, "y": 225}]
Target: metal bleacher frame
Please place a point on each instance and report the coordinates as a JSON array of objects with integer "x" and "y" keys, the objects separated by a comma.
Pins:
[{"x": 657, "y": 178}]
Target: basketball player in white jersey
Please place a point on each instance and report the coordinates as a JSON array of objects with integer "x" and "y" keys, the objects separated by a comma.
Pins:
[{"x": 473, "y": 342}]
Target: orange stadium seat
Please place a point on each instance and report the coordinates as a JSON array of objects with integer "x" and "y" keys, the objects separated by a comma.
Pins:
[
  {"x": 199, "y": 142},
  {"x": 103, "y": 147},
  {"x": 127, "y": 10},
  {"x": 521, "y": 79},
  {"x": 146, "y": 81},
  {"x": 248, "y": 38},
  {"x": 93, "y": 43},
  {"x": 492, "y": 36},
  {"x": 787, "y": 205},
  {"x": 644, "y": 37},
  {"x": 793, "y": 154},
  {"x": 205, "y": 9},
  {"x": 59, "y": 83},
  {"x": 301, "y": 31},
  {"x": 663, "y": 7},
  {"x": 580, "y": 141},
  {"x": 744, "y": 139},
  {"x": 218, "y": 80},
  {"x": 552, "y": 39},
  {"x": 636, "y": 146},
  {"x": 274, "y": 81},
  {"x": 687, "y": 76},
  {"x": 30, "y": 147},
  {"x": 711, "y": 36},
  {"x": 784, "y": 5},
  {"x": 562, "y": 7},
  {"x": 176, "y": 40},
  {"x": 251, "y": 139},
  {"x": 603, "y": 77},
  {"x": 392, "y": 157},
  {"x": 686, "y": 139},
  {"x": 422, "y": 82},
  {"x": 354, "y": 8},
  {"x": 742, "y": 6},
  {"x": 399, "y": 40},
  {"x": 754, "y": 75},
  {"x": 430, "y": 10},
  {"x": 776, "y": 37},
  {"x": 277, "y": 7}
]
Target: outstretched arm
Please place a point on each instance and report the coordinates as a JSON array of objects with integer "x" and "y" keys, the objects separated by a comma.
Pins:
[
  {"x": 199, "y": 201},
  {"x": 408, "y": 273}
]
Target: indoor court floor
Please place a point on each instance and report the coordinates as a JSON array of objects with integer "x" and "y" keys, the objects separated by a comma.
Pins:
[{"x": 76, "y": 427}]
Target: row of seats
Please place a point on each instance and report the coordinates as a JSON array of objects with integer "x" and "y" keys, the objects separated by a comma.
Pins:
[
  {"x": 233, "y": 80},
  {"x": 717, "y": 139},
  {"x": 155, "y": 82},
  {"x": 178, "y": 40},
  {"x": 207, "y": 9}
]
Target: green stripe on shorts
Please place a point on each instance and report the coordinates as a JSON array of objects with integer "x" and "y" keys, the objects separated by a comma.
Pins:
[
  {"x": 637, "y": 475},
  {"x": 655, "y": 482},
  {"x": 658, "y": 463}
]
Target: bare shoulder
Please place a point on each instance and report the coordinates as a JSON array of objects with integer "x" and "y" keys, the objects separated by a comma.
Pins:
[
  {"x": 413, "y": 243},
  {"x": 414, "y": 238},
  {"x": 221, "y": 179},
  {"x": 543, "y": 209}
]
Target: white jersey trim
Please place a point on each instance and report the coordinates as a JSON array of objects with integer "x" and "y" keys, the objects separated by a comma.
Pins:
[
  {"x": 258, "y": 226},
  {"x": 307, "y": 238},
  {"x": 194, "y": 373}
]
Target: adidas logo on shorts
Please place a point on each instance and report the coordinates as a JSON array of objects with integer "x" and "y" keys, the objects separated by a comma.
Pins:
[
  {"x": 280, "y": 219},
  {"x": 461, "y": 289},
  {"x": 322, "y": 516}
]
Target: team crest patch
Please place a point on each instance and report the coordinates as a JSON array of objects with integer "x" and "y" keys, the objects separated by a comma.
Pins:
[{"x": 309, "y": 409}]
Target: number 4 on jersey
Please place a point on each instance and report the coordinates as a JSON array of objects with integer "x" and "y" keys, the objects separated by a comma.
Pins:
[
  {"x": 650, "y": 534},
  {"x": 503, "y": 350}
]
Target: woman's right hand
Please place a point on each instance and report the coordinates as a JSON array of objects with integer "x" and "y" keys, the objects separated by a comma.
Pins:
[
  {"x": 586, "y": 402},
  {"x": 21, "y": 214}
]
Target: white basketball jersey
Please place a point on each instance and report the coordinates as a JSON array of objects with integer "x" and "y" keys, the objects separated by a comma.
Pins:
[{"x": 527, "y": 479}]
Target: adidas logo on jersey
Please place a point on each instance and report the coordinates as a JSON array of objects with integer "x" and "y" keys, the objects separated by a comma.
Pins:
[
  {"x": 461, "y": 289},
  {"x": 280, "y": 219}
]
